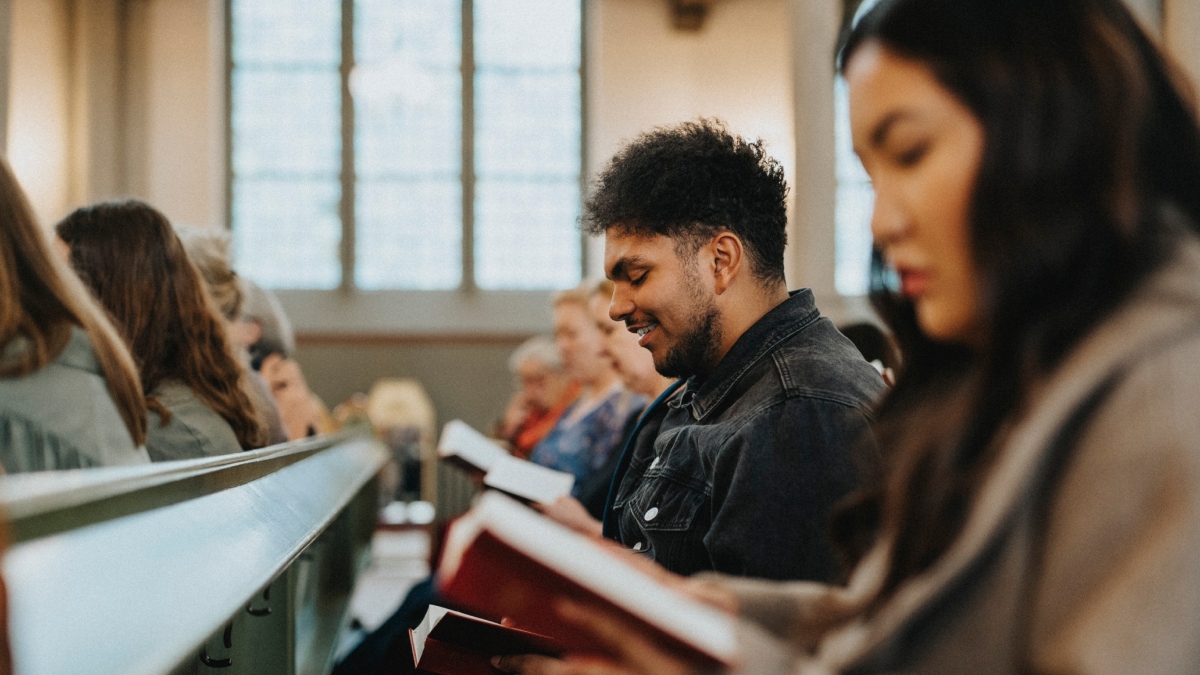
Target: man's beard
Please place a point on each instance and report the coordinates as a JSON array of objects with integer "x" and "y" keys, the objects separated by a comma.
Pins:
[{"x": 696, "y": 349}]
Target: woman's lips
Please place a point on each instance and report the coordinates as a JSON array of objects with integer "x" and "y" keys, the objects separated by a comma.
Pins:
[{"x": 913, "y": 283}]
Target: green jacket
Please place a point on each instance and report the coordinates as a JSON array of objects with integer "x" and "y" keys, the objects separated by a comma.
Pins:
[
  {"x": 62, "y": 417},
  {"x": 194, "y": 430}
]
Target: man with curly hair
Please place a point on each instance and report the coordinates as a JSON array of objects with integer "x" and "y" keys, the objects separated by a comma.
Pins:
[{"x": 737, "y": 468}]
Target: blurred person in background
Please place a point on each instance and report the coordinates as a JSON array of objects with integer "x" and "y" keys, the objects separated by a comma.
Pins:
[
  {"x": 208, "y": 249},
  {"x": 592, "y": 428},
  {"x": 544, "y": 391},
  {"x": 70, "y": 396},
  {"x": 271, "y": 344},
  {"x": 635, "y": 367},
  {"x": 877, "y": 347},
  {"x": 197, "y": 394}
]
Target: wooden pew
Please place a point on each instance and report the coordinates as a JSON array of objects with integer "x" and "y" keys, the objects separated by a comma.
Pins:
[{"x": 235, "y": 564}]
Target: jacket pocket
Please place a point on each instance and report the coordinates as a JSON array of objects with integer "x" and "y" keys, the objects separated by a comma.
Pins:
[{"x": 662, "y": 504}]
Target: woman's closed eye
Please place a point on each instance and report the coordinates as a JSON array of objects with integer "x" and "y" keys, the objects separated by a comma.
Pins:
[{"x": 911, "y": 155}]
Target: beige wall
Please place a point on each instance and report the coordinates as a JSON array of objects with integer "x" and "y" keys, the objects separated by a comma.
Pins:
[
  {"x": 118, "y": 98},
  {"x": 39, "y": 111},
  {"x": 184, "y": 125},
  {"x": 643, "y": 73}
]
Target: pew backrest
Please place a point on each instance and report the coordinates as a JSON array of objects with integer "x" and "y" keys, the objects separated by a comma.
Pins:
[{"x": 236, "y": 564}]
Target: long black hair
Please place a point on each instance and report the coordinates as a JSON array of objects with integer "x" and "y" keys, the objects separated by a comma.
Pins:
[{"x": 1091, "y": 162}]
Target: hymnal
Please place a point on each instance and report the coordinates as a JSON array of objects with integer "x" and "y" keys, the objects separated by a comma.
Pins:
[
  {"x": 529, "y": 481},
  {"x": 462, "y": 443},
  {"x": 451, "y": 643},
  {"x": 502, "y": 559},
  {"x": 502, "y": 471}
]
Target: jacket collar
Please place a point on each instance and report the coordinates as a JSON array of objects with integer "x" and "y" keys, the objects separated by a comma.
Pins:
[
  {"x": 77, "y": 353},
  {"x": 702, "y": 396},
  {"x": 1166, "y": 307}
]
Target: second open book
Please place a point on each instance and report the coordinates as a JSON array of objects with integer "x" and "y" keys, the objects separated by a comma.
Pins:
[
  {"x": 503, "y": 559},
  {"x": 502, "y": 471}
]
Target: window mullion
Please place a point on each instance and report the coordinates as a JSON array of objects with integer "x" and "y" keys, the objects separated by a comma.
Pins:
[
  {"x": 346, "y": 207},
  {"x": 583, "y": 131},
  {"x": 468, "y": 146}
]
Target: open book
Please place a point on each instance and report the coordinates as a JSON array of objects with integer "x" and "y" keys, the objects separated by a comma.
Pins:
[
  {"x": 502, "y": 559},
  {"x": 525, "y": 480},
  {"x": 451, "y": 643},
  {"x": 461, "y": 443}
]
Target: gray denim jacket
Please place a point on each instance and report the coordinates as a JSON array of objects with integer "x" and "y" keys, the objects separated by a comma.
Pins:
[{"x": 739, "y": 474}]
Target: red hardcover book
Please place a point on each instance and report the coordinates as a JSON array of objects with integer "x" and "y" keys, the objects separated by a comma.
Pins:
[
  {"x": 502, "y": 559},
  {"x": 452, "y": 643}
]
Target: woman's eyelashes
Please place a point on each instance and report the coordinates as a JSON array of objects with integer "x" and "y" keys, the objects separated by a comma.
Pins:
[{"x": 912, "y": 155}]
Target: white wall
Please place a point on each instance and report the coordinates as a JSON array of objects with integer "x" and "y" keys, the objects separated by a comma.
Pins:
[{"x": 643, "y": 73}]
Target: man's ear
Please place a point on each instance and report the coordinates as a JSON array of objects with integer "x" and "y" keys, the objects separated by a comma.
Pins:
[{"x": 728, "y": 256}]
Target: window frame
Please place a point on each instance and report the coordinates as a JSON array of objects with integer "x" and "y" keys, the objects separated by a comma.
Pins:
[{"x": 465, "y": 311}]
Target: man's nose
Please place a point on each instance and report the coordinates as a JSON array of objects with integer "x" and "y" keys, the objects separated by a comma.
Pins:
[{"x": 620, "y": 306}]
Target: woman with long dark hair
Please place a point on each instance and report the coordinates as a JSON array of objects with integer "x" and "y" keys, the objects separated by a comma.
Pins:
[
  {"x": 1037, "y": 178},
  {"x": 130, "y": 256},
  {"x": 69, "y": 393}
]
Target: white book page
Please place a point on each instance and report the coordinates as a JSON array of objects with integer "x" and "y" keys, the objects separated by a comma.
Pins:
[
  {"x": 528, "y": 480},
  {"x": 421, "y": 632},
  {"x": 577, "y": 558},
  {"x": 460, "y": 440}
]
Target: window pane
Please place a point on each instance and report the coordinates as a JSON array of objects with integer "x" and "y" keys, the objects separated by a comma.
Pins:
[
  {"x": 526, "y": 234},
  {"x": 527, "y": 136},
  {"x": 409, "y": 234},
  {"x": 855, "y": 204},
  {"x": 407, "y": 91},
  {"x": 287, "y": 32},
  {"x": 285, "y": 107},
  {"x": 527, "y": 124},
  {"x": 287, "y": 232},
  {"x": 286, "y": 123},
  {"x": 426, "y": 30},
  {"x": 415, "y": 137},
  {"x": 527, "y": 34}
]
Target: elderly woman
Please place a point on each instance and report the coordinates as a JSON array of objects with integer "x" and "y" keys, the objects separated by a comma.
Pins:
[{"x": 544, "y": 391}]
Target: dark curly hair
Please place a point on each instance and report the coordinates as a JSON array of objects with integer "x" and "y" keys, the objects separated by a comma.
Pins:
[{"x": 690, "y": 182}]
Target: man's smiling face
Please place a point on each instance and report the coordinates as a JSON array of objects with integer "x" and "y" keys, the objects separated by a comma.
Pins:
[{"x": 660, "y": 294}]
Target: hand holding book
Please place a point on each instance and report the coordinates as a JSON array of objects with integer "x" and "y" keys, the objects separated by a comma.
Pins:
[
  {"x": 632, "y": 652},
  {"x": 502, "y": 559}
]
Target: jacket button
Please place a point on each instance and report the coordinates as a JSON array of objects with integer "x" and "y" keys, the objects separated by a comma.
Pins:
[
  {"x": 637, "y": 546},
  {"x": 651, "y": 514}
]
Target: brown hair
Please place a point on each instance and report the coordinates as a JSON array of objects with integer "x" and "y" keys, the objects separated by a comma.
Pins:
[
  {"x": 40, "y": 301},
  {"x": 135, "y": 264}
]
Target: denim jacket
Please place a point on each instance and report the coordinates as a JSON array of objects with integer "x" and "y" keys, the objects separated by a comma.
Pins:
[{"x": 739, "y": 473}]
